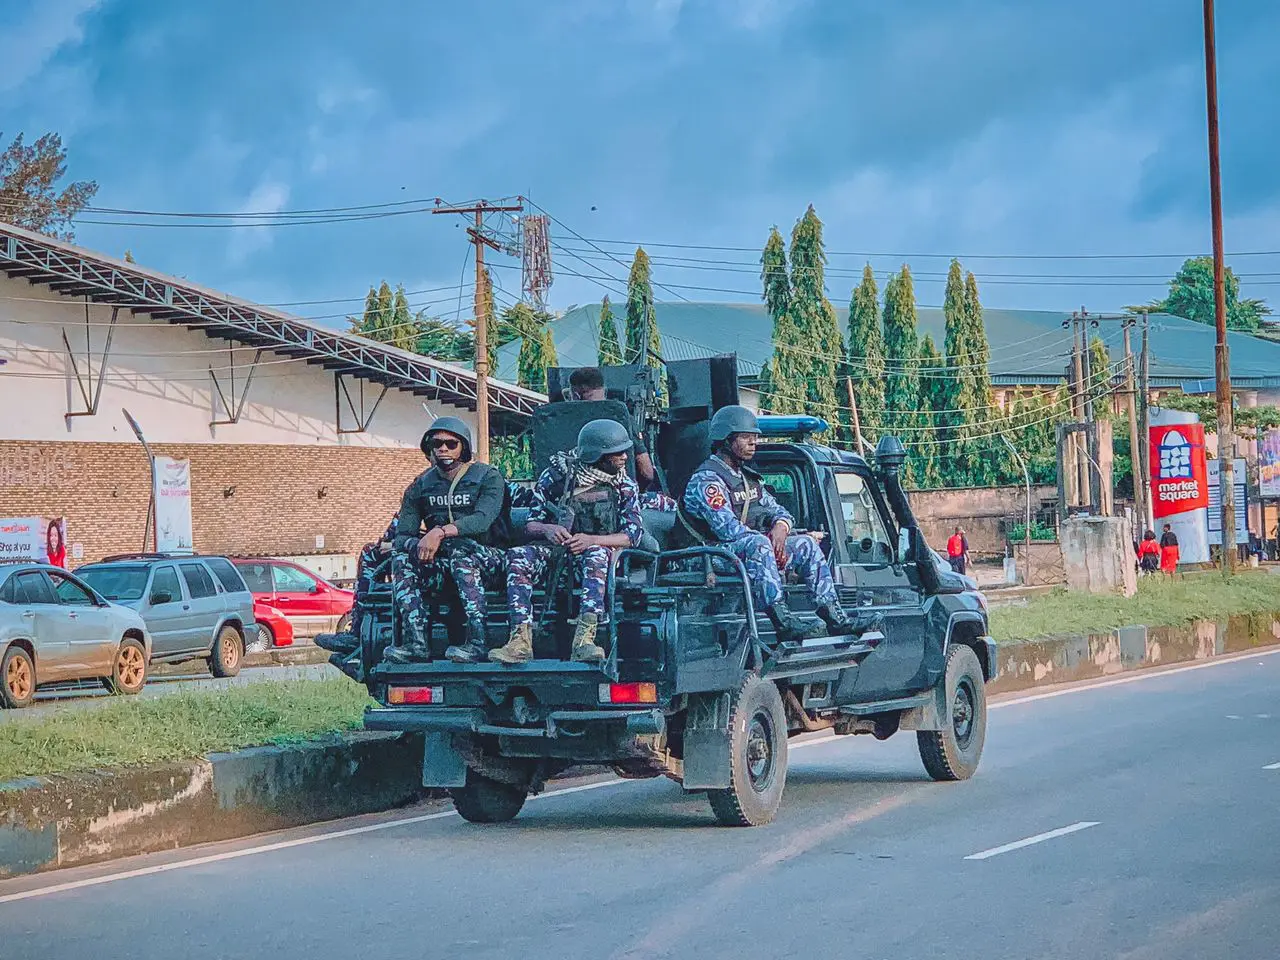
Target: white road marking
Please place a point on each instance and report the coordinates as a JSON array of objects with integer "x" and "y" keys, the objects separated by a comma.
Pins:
[
  {"x": 1263, "y": 716},
  {"x": 1232, "y": 716},
  {"x": 1136, "y": 678},
  {"x": 1038, "y": 838},
  {"x": 1272, "y": 766},
  {"x": 267, "y": 848}
]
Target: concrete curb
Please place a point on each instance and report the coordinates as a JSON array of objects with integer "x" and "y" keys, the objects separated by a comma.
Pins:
[{"x": 52, "y": 822}]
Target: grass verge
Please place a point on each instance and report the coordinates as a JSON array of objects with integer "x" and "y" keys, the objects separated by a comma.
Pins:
[
  {"x": 179, "y": 726},
  {"x": 1159, "y": 602}
]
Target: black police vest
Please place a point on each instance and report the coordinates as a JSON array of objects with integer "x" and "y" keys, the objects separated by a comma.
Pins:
[
  {"x": 744, "y": 498},
  {"x": 596, "y": 511},
  {"x": 440, "y": 506}
]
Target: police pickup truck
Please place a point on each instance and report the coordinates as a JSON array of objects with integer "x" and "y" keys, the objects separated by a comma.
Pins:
[{"x": 696, "y": 687}]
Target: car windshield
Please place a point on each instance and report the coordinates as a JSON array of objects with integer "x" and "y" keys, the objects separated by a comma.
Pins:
[{"x": 116, "y": 583}]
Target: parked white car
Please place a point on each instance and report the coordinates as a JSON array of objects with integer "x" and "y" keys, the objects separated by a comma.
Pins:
[{"x": 54, "y": 628}]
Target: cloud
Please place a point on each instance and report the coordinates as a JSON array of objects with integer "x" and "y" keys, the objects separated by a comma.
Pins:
[
  {"x": 29, "y": 44},
  {"x": 268, "y": 197},
  {"x": 335, "y": 98}
]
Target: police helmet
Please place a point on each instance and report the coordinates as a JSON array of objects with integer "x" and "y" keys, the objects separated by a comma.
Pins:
[
  {"x": 599, "y": 438},
  {"x": 730, "y": 420},
  {"x": 452, "y": 426}
]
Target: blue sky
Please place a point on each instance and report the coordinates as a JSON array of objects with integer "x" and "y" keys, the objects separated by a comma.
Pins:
[{"x": 969, "y": 127}]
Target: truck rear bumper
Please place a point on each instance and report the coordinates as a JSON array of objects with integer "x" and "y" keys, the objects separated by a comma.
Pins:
[{"x": 468, "y": 720}]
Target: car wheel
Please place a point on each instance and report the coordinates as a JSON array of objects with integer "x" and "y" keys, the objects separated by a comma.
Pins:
[
  {"x": 266, "y": 639},
  {"x": 757, "y": 757},
  {"x": 227, "y": 653},
  {"x": 129, "y": 674},
  {"x": 344, "y": 625},
  {"x": 17, "y": 678},
  {"x": 953, "y": 753}
]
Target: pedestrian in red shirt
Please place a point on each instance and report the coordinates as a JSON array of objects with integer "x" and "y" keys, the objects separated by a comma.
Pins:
[
  {"x": 1168, "y": 551},
  {"x": 958, "y": 551},
  {"x": 1149, "y": 553}
]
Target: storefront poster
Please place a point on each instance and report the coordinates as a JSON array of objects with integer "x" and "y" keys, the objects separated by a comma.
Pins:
[
  {"x": 1269, "y": 464},
  {"x": 40, "y": 539},
  {"x": 173, "y": 505}
]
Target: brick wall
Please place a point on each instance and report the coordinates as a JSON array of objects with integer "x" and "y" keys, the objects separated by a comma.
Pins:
[
  {"x": 102, "y": 489},
  {"x": 980, "y": 510}
]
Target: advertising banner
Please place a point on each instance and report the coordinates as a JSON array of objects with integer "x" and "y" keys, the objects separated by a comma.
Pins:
[
  {"x": 173, "y": 505},
  {"x": 42, "y": 539},
  {"x": 1269, "y": 464},
  {"x": 1179, "y": 481},
  {"x": 1238, "y": 478}
]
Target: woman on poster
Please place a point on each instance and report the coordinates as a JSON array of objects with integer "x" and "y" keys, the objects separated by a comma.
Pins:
[{"x": 55, "y": 543}]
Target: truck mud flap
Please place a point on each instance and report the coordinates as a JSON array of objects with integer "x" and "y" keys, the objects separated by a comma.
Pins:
[
  {"x": 706, "y": 743},
  {"x": 442, "y": 763}
]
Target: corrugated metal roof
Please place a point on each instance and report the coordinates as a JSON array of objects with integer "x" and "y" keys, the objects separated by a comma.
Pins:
[{"x": 1027, "y": 346}]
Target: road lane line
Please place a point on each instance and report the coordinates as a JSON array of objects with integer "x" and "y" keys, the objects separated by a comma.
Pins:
[
  {"x": 1136, "y": 678},
  {"x": 267, "y": 848},
  {"x": 1038, "y": 838},
  {"x": 1272, "y": 766}
]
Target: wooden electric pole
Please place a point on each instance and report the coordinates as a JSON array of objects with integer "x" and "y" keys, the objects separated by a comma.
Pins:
[
  {"x": 479, "y": 240},
  {"x": 1222, "y": 365},
  {"x": 1135, "y": 451}
]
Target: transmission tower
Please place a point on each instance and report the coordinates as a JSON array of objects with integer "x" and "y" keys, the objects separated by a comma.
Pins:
[{"x": 535, "y": 249}]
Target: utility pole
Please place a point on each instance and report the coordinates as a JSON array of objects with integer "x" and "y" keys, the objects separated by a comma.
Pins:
[
  {"x": 1139, "y": 491},
  {"x": 853, "y": 407},
  {"x": 480, "y": 240},
  {"x": 1145, "y": 398},
  {"x": 1222, "y": 365}
]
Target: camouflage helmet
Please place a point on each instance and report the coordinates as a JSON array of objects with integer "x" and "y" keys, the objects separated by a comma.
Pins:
[
  {"x": 599, "y": 438},
  {"x": 453, "y": 426},
  {"x": 730, "y": 420}
]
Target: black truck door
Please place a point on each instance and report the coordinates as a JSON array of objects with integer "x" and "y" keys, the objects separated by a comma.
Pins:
[{"x": 867, "y": 563}]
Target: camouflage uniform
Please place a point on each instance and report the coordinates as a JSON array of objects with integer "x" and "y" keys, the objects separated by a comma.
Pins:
[
  {"x": 528, "y": 563},
  {"x": 733, "y": 507},
  {"x": 472, "y": 566},
  {"x": 370, "y": 558}
]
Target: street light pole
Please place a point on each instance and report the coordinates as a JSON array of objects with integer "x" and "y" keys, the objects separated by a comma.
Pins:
[{"x": 1222, "y": 365}]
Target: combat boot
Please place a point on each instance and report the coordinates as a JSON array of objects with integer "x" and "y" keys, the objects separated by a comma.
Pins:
[
  {"x": 788, "y": 627},
  {"x": 519, "y": 649},
  {"x": 344, "y": 643},
  {"x": 474, "y": 650},
  {"x": 584, "y": 648},
  {"x": 414, "y": 650},
  {"x": 837, "y": 621}
]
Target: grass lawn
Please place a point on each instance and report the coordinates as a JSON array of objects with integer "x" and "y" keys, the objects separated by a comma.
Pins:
[
  {"x": 179, "y": 726},
  {"x": 1159, "y": 602}
]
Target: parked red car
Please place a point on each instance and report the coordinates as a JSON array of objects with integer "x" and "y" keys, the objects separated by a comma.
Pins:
[
  {"x": 274, "y": 629},
  {"x": 310, "y": 604}
]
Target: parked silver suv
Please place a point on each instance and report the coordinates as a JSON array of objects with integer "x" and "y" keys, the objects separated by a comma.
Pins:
[
  {"x": 195, "y": 607},
  {"x": 54, "y": 629}
]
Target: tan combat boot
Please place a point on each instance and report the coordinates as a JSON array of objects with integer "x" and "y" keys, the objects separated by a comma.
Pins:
[
  {"x": 519, "y": 649},
  {"x": 584, "y": 641}
]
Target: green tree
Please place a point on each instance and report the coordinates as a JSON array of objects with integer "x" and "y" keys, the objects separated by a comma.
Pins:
[
  {"x": 990, "y": 461},
  {"x": 403, "y": 331},
  {"x": 958, "y": 400},
  {"x": 642, "y": 318},
  {"x": 816, "y": 324},
  {"x": 783, "y": 390},
  {"x": 537, "y": 348},
  {"x": 933, "y": 398},
  {"x": 29, "y": 194},
  {"x": 1191, "y": 296},
  {"x": 608, "y": 353},
  {"x": 492, "y": 332},
  {"x": 866, "y": 354},
  {"x": 902, "y": 381}
]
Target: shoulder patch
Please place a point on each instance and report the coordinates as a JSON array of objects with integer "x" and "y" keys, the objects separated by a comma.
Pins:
[{"x": 715, "y": 496}]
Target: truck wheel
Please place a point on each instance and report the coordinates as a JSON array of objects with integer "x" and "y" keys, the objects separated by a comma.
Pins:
[
  {"x": 757, "y": 757},
  {"x": 953, "y": 753},
  {"x": 487, "y": 801}
]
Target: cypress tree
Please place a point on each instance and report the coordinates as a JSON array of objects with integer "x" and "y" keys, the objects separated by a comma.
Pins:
[
  {"x": 403, "y": 331},
  {"x": 866, "y": 354},
  {"x": 641, "y": 315},
  {"x": 608, "y": 353},
  {"x": 991, "y": 460},
  {"x": 816, "y": 324},
  {"x": 933, "y": 398},
  {"x": 537, "y": 347},
  {"x": 783, "y": 390},
  {"x": 902, "y": 382}
]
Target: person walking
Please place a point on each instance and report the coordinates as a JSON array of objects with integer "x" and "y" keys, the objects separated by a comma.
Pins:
[
  {"x": 958, "y": 551},
  {"x": 1168, "y": 551},
  {"x": 1149, "y": 553}
]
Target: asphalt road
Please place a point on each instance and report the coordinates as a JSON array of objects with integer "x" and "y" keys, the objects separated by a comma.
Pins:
[{"x": 1163, "y": 843}]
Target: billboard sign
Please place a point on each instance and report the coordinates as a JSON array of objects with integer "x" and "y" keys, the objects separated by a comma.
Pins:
[
  {"x": 41, "y": 539},
  {"x": 1180, "y": 481},
  {"x": 173, "y": 505},
  {"x": 1269, "y": 464},
  {"x": 1214, "y": 518}
]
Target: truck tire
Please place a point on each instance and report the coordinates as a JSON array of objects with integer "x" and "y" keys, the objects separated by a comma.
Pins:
[
  {"x": 757, "y": 757},
  {"x": 487, "y": 801},
  {"x": 953, "y": 753}
]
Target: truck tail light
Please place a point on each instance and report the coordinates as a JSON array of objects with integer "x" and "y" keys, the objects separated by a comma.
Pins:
[
  {"x": 412, "y": 695},
  {"x": 628, "y": 693}
]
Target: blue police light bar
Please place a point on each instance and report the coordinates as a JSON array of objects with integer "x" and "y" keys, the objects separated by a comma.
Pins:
[{"x": 799, "y": 426}]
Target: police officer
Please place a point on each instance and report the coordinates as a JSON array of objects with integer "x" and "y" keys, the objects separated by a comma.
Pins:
[
  {"x": 725, "y": 502},
  {"x": 585, "y": 504},
  {"x": 587, "y": 383},
  {"x": 370, "y": 558},
  {"x": 453, "y": 518}
]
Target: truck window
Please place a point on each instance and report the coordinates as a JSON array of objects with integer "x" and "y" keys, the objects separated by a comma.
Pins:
[
  {"x": 868, "y": 540},
  {"x": 781, "y": 482}
]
